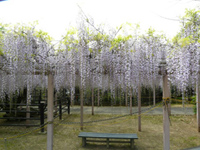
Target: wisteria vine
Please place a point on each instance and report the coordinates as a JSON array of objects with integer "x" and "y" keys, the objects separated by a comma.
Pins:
[{"x": 89, "y": 57}]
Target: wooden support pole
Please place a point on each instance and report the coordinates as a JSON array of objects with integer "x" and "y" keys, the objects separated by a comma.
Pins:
[
  {"x": 154, "y": 95},
  {"x": 183, "y": 99},
  {"x": 56, "y": 103},
  {"x": 169, "y": 104},
  {"x": 68, "y": 106},
  {"x": 60, "y": 109},
  {"x": 42, "y": 116},
  {"x": 50, "y": 112},
  {"x": 28, "y": 115},
  {"x": 166, "y": 131},
  {"x": 102, "y": 95},
  {"x": 72, "y": 99},
  {"x": 98, "y": 97},
  {"x": 149, "y": 96},
  {"x": 198, "y": 105},
  {"x": 126, "y": 97},
  {"x": 131, "y": 101},
  {"x": 81, "y": 98},
  {"x": 139, "y": 107},
  {"x": 120, "y": 96},
  {"x": 92, "y": 100},
  {"x": 115, "y": 97}
]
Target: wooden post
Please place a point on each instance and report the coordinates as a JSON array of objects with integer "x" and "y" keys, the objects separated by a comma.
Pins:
[
  {"x": 98, "y": 97},
  {"x": 68, "y": 106},
  {"x": 56, "y": 103},
  {"x": 81, "y": 98},
  {"x": 169, "y": 105},
  {"x": 115, "y": 98},
  {"x": 102, "y": 95},
  {"x": 166, "y": 131},
  {"x": 149, "y": 96},
  {"x": 28, "y": 96},
  {"x": 154, "y": 95},
  {"x": 120, "y": 96},
  {"x": 92, "y": 100},
  {"x": 126, "y": 97},
  {"x": 198, "y": 105},
  {"x": 131, "y": 101},
  {"x": 107, "y": 142},
  {"x": 139, "y": 107},
  {"x": 60, "y": 108},
  {"x": 183, "y": 99},
  {"x": 72, "y": 99},
  {"x": 28, "y": 115},
  {"x": 42, "y": 116},
  {"x": 50, "y": 112}
]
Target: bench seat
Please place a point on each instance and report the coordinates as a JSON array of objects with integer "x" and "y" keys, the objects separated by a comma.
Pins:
[{"x": 107, "y": 136}]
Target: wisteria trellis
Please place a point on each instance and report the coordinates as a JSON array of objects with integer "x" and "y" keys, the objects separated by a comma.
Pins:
[{"x": 90, "y": 57}]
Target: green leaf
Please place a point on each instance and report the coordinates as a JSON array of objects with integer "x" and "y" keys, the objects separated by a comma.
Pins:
[{"x": 1, "y": 52}]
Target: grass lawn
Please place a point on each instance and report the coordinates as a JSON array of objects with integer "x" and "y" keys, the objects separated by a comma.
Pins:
[{"x": 183, "y": 133}]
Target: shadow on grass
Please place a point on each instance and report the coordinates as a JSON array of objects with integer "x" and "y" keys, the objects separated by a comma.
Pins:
[{"x": 111, "y": 147}]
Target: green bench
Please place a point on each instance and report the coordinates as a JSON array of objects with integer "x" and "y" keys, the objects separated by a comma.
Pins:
[{"x": 88, "y": 137}]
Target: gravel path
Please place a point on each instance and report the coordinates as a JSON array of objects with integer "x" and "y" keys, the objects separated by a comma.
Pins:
[{"x": 126, "y": 110}]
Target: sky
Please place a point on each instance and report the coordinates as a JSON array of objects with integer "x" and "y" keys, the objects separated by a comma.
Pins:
[{"x": 55, "y": 16}]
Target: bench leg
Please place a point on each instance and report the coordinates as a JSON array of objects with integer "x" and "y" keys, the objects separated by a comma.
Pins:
[
  {"x": 132, "y": 143},
  {"x": 83, "y": 141},
  {"x": 107, "y": 140}
]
